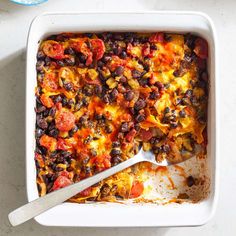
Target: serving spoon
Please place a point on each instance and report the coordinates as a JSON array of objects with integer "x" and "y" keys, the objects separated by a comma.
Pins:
[{"x": 40, "y": 205}]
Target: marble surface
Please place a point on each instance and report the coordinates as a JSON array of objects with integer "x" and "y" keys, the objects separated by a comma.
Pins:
[{"x": 14, "y": 24}]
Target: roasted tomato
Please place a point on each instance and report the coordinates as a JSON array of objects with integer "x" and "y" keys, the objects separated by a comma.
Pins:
[
  {"x": 53, "y": 49},
  {"x": 136, "y": 190},
  {"x": 98, "y": 48},
  {"x": 47, "y": 101},
  {"x": 65, "y": 120},
  {"x": 201, "y": 48},
  {"x": 48, "y": 142},
  {"x": 61, "y": 182}
]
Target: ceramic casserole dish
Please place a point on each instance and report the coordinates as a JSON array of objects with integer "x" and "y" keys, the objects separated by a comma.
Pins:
[{"x": 129, "y": 214}]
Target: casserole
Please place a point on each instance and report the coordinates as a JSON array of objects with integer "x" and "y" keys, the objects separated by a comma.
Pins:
[{"x": 146, "y": 214}]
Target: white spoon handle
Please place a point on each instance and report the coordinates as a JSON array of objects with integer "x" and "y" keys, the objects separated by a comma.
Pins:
[{"x": 38, "y": 206}]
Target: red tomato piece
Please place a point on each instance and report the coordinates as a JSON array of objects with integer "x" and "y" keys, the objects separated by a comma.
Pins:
[
  {"x": 48, "y": 142},
  {"x": 130, "y": 136},
  {"x": 47, "y": 101},
  {"x": 61, "y": 182},
  {"x": 65, "y": 120},
  {"x": 98, "y": 48},
  {"x": 157, "y": 38},
  {"x": 145, "y": 135},
  {"x": 201, "y": 48},
  {"x": 136, "y": 190},
  {"x": 86, "y": 192},
  {"x": 53, "y": 49}
]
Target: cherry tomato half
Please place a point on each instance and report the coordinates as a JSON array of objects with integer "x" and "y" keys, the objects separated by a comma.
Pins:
[
  {"x": 65, "y": 120},
  {"x": 98, "y": 48},
  {"x": 157, "y": 38},
  {"x": 53, "y": 49}
]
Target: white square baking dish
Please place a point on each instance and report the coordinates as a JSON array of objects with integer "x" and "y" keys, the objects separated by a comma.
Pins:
[{"x": 115, "y": 214}]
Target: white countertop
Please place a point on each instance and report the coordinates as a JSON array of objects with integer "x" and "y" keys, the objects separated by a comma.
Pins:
[{"x": 14, "y": 24}]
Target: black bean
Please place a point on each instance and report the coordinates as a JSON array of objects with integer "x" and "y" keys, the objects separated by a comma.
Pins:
[
  {"x": 140, "y": 104},
  {"x": 119, "y": 70},
  {"x": 116, "y": 160},
  {"x": 167, "y": 110},
  {"x": 68, "y": 86},
  {"x": 73, "y": 130},
  {"x": 154, "y": 95},
  {"x": 190, "y": 181},
  {"x": 182, "y": 113},
  {"x": 115, "y": 152},
  {"x": 106, "y": 58},
  {"x": 114, "y": 93},
  {"x": 88, "y": 139},
  {"x": 85, "y": 101},
  {"x": 116, "y": 144},
  {"x": 137, "y": 127},
  {"x": 105, "y": 190},
  {"x": 78, "y": 105},
  {"x": 54, "y": 133},
  {"x": 52, "y": 112},
  {"x": 88, "y": 90},
  {"x": 42, "y": 123},
  {"x": 123, "y": 54},
  {"x": 129, "y": 95},
  {"x": 189, "y": 93},
  {"x": 124, "y": 127},
  {"x": 123, "y": 79},
  {"x": 143, "y": 81},
  {"x": 173, "y": 124},
  {"x": 70, "y": 61},
  {"x": 108, "y": 129},
  {"x": 117, "y": 50},
  {"x": 136, "y": 74},
  {"x": 60, "y": 63},
  {"x": 89, "y": 35},
  {"x": 82, "y": 58},
  {"x": 166, "y": 148},
  {"x": 69, "y": 51},
  {"x": 106, "y": 98},
  {"x": 39, "y": 132},
  {"x": 140, "y": 117},
  {"x": 98, "y": 90},
  {"x": 189, "y": 40},
  {"x": 47, "y": 61},
  {"x": 40, "y": 65},
  {"x": 56, "y": 98},
  {"x": 40, "y": 109},
  {"x": 100, "y": 64},
  {"x": 153, "y": 46},
  {"x": 40, "y": 55}
]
